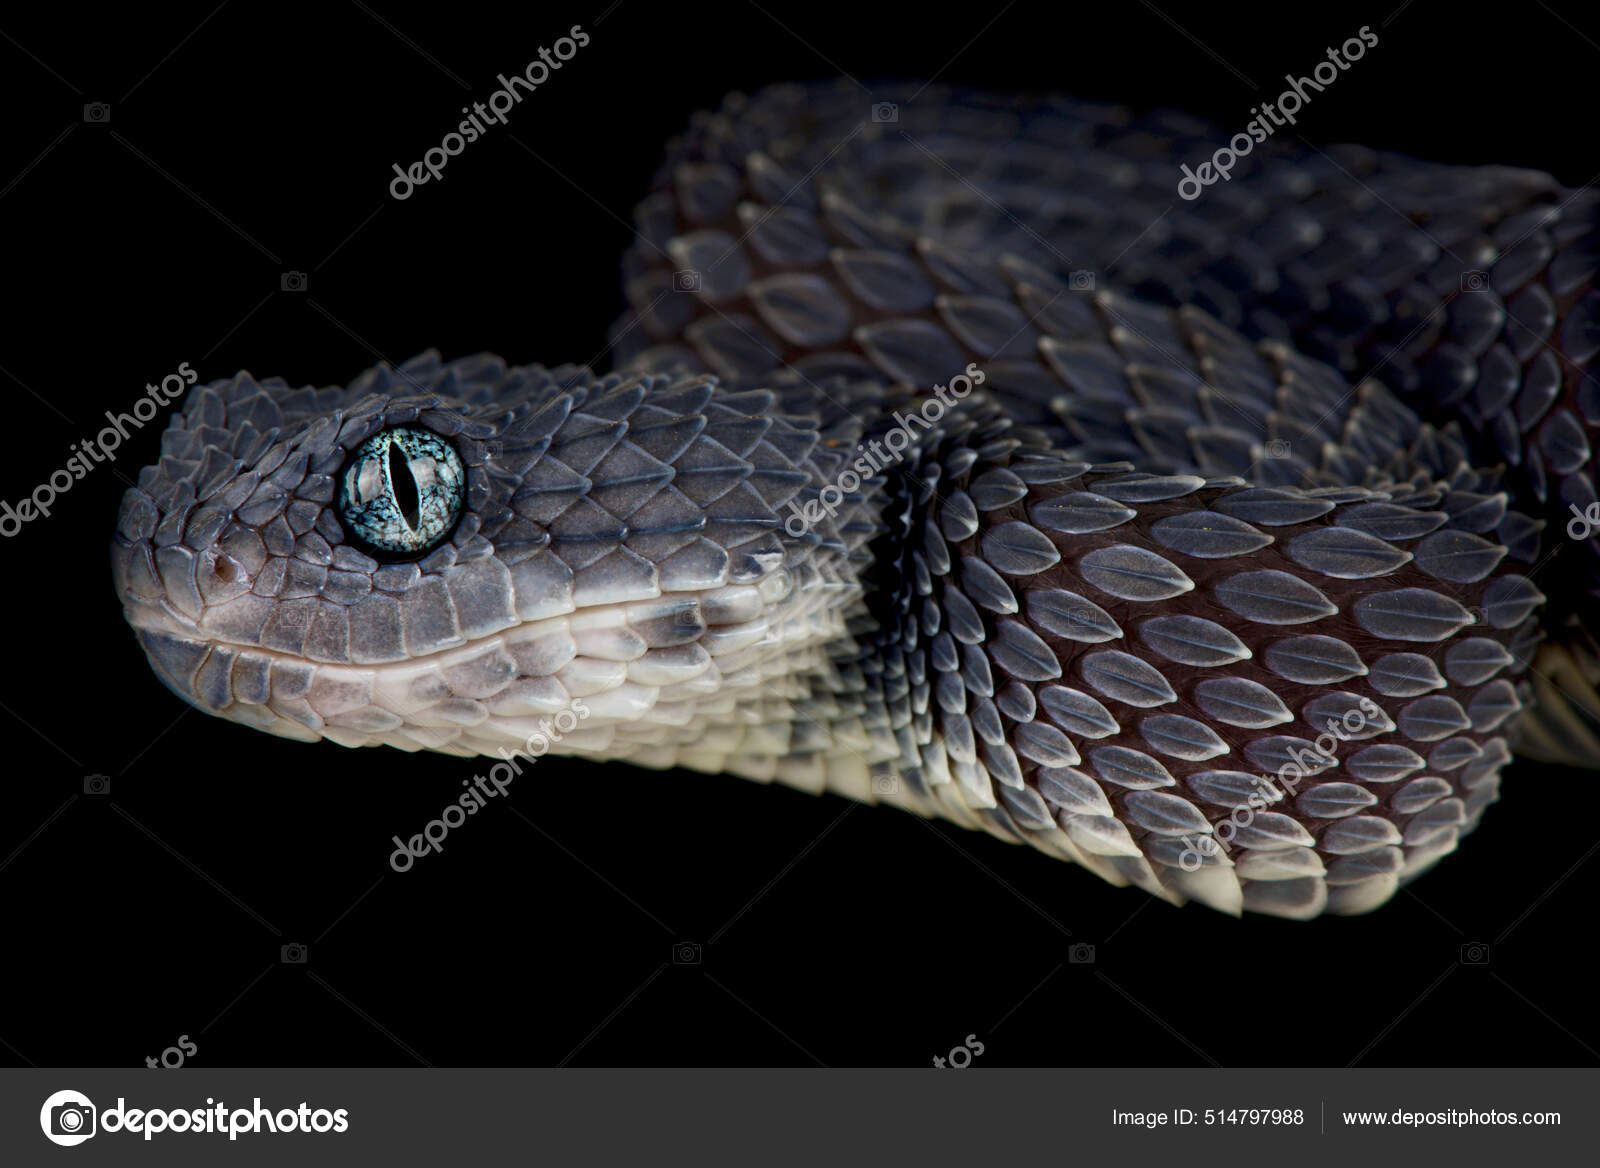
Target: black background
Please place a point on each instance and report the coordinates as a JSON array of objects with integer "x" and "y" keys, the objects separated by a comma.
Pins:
[{"x": 249, "y": 140}]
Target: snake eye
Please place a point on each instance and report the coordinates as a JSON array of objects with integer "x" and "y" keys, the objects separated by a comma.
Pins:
[{"x": 400, "y": 491}]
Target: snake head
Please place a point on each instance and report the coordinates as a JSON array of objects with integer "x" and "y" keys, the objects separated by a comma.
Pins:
[{"x": 446, "y": 556}]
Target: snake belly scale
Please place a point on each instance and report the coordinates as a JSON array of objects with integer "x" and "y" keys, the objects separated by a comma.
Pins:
[{"x": 1219, "y": 576}]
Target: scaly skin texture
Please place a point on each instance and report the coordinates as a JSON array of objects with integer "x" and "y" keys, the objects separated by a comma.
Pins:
[
  {"x": 1142, "y": 589},
  {"x": 1469, "y": 291}
]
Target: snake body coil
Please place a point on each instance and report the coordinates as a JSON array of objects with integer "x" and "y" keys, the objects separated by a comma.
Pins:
[{"x": 1211, "y": 571}]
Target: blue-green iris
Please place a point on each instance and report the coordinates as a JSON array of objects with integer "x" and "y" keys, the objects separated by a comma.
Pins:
[{"x": 401, "y": 490}]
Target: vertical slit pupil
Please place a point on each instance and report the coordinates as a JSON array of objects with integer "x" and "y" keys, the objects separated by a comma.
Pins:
[{"x": 404, "y": 486}]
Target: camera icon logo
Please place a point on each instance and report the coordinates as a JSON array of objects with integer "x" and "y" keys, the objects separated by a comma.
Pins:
[
  {"x": 885, "y": 785},
  {"x": 97, "y": 113},
  {"x": 686, "y": 280},
  {"x": 97, "y": 784},
  {"x": 686, "y": 953},
  {"x": 68, "y": 1118},
  {"x": 1081, "y": 954},
  {"x": 1475, "y": 953},
  {"x": 293, "y": 954},
  {"x": 292, "y": 282},
  {"x": 1081, "y": 281},
  {"x": 885, "y": 111},
  {"x": 1277, "y": 448},
  {"x": 1474, "y": 281},
  {"x": 1081, "y": 617}
]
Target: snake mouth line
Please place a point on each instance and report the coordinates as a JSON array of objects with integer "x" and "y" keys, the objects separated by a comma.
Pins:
[
  {"x": 199, "y": 639},
  {"x": 578, "y": 621},
  {"x": 490, "y": 690}
]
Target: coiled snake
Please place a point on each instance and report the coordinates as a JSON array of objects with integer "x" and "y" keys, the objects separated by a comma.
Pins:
[{"x": 953, "y": 461}]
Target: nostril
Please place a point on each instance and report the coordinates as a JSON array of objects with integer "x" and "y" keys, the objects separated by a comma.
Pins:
[{"x": 221, "y": 577}]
